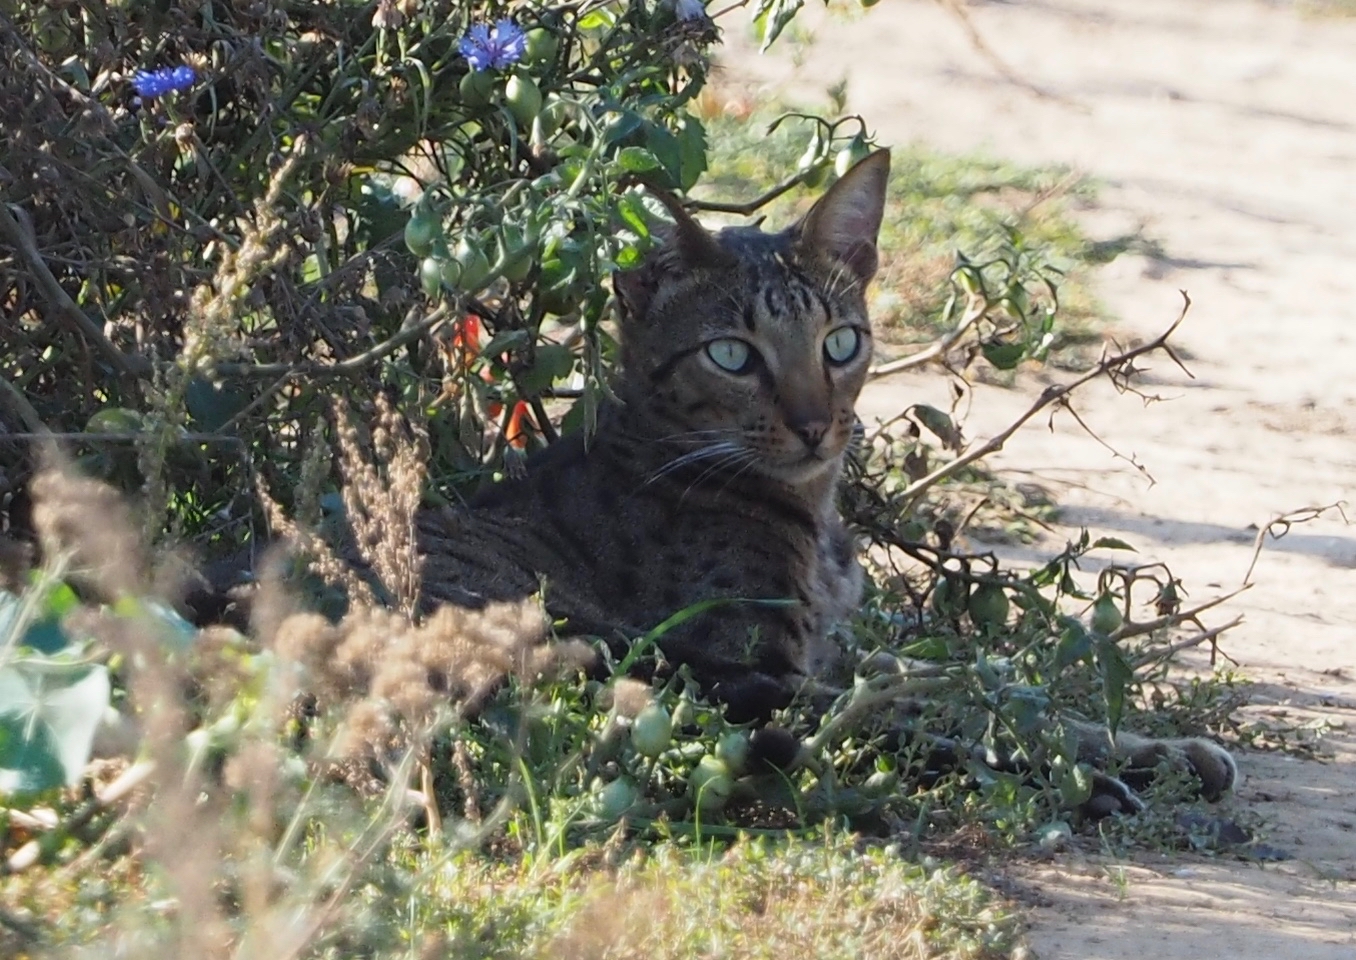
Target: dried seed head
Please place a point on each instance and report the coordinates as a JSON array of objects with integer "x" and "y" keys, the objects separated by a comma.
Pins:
[
  {"x": 629, "y": 697},
  {"x": 89, "y": 522}
]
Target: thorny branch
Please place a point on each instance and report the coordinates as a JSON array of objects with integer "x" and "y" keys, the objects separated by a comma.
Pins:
[
  {"x": 21, "y": 236},
  {"x": 1205, "y": 636},
  {"x": 957, "y": 9},
  {"x": 13, "y": 398},
  {"x": 353, "y": 364},
  {"x": 1279, "y": 526},
  {"x": 1173, "y": 619},
  {"x": 1068, "y": 408},
  {"x": 749, "y": 206},
  {"x": 1054, "y": 394},
  {"x": 976, "y": 309}
]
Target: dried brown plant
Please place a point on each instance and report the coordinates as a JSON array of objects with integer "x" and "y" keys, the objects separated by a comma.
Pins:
[
  {"x": 92, "y": 526},
  {"x": 381, "y": 496},
  {"x": 321, "y": 557},
  {"x": 394, "y": 678}
]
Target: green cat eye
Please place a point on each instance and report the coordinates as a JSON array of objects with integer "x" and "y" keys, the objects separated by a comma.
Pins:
[
  {"x": 841, "y": 345},
  {"x": 731, "y": 355}
]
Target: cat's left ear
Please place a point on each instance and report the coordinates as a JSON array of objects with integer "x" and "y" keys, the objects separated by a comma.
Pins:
[
  {"x": 684, "y": 248},
  {"x": 844, "y": 224}
]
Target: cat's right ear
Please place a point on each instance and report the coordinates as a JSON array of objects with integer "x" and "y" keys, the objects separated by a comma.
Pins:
[
  {"x": 844, "y": 224},
  {"x": 684, "y": 247}
]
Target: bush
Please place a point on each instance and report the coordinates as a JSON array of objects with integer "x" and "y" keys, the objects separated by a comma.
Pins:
[{"x": 331, "y": 197}]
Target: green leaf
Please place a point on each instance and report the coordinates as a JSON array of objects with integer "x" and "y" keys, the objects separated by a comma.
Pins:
[
  {"x": 666, "y": 149},
  {"x": 632, "y": 212},
  {"x": 1004, "y": 356},
  {"x": 636, "y": 160},
  {"x": 1075, "y": 644},
  {"x": 170, "y": 627},
  {"x": 940, "y": 425},
  {"x": 597, "y": 20},
  {"x": 692, "y": 150},
  {"x": 60, "y": 600},
  {"x": 1027, "y": 707},
  {"x": 1116, "y": 676},
  {"x": 928, "y": 648},
  {"x": 1075, "y": 785},
  {"x": 43, "y": 633},
  {"x": 626, "y": 123},
  {"x": 1111, "y": 543},
  {"x": 115, "y": 420},
  {"x": 504, "y": 341},
  {"x": 212, "y": 405},
  {"x": 48, "y": 715},
  {"x": 554, "y": 362},
  {"x": 772, "y": 16}
]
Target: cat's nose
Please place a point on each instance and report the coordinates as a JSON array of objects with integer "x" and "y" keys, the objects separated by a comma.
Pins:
[{"x": 811, "y": 432}]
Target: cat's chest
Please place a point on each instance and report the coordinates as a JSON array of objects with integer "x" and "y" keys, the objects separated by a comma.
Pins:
[
  {"x": 720, "y": 549},
  {"x": 834, "y": 584}
]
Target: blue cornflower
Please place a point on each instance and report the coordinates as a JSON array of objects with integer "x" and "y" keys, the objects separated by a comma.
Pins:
[
  {"x": 691, "y": 10},
  {"x": 157, "y": 83},
  {"x": 499, "y": 46}
]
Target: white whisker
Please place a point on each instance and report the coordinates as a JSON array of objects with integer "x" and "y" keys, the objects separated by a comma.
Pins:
[
  {"x": 731, "y": 458},
  {"x": 720, "y": 449},
  {"x": 750, "y": 461}
]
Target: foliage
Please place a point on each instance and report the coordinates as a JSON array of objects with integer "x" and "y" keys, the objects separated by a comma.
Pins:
[
  {"x": 234, "y": 224},
  {"x": 400, "y": 221},
  {"x": 521, "y": 828},
  {"x": 246, "y": 241}
]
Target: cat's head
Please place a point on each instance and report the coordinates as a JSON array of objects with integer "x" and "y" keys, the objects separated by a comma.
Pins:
[{"x": 745, "y": 349}]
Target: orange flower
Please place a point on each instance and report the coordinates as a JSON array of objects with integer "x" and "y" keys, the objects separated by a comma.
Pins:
[
  {"x": 465, "y": 343},
  {"x": 516, "y": 434},
  {"x": 466, "y": 332}
]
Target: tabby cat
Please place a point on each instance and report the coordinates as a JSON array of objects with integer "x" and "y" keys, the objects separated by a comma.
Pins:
[{"x": 712, "y": 476}]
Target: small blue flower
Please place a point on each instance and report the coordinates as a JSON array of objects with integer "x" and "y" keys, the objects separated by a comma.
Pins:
[
  {"x": 691, "y": 10},
  {"x": 496, "y": 47},
  {"x": 157, "y": 83}
]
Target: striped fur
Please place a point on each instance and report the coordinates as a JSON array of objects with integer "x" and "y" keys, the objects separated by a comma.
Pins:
[{"x": 701, "y": 483}]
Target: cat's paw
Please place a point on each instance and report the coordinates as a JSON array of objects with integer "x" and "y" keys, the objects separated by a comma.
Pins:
[
  {"x": 1210, "y": 763},
  {"x": 1109, "y": 796},
  {"x": 1213, "y": 766}
]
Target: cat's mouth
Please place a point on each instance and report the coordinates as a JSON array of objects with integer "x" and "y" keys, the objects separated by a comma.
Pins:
[{"x": 804, "y": 468}]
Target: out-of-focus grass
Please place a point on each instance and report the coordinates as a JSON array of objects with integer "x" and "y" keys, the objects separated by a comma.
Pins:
[{"x": 827, "y": 898}]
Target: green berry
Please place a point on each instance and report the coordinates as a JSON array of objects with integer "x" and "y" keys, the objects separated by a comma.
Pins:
[
  {"x": 651, "y": 731},
  {"x": 1106, "y": 615},
  {"x": 523, "y": 97}
]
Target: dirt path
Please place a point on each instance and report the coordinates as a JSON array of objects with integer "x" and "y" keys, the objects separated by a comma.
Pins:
[{"x": 1226, "y": 130}]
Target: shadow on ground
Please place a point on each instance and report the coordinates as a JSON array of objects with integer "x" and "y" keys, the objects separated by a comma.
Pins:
[{"x": 1333, "y": 550}]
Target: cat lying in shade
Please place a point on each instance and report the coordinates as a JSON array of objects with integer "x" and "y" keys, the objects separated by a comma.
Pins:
[{"x": 714, "y": 472}]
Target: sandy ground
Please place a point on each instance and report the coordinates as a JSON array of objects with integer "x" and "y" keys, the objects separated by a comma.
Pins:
[{"x": 1226, "y": 131}]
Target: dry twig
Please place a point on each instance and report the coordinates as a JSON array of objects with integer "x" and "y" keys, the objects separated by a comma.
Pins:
[
  {"x": 67, "y": 310},
  {"x": 976, "y": 309},
  {"x": 1115, "y": 367},
  {"x": 1279, "y": 526}
]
